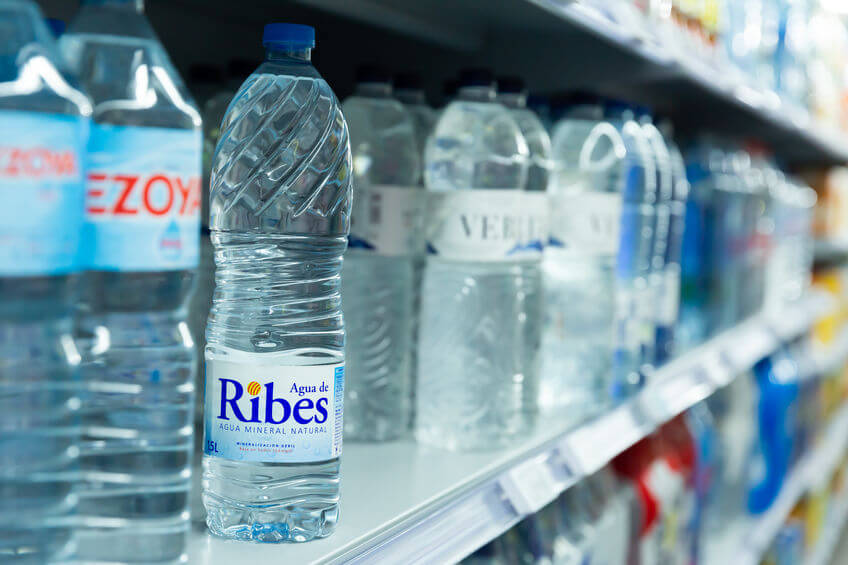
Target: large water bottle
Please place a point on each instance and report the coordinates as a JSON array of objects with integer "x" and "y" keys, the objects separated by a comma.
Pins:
[
  {"x": 142, "y": 227},
  {"x": 669, "y": 305},
  {"x": 579, "y": 262},
  {"x": 664, "y": 180},
  {"x": 281, "y": 195},
  {"x": 513, "y": 95},
  {"x": 483, "y": 234},
  {"x": 385, "y": 238},
  {"x": 698, "y": 264},
  {"x": 597, "y": 255},
  {"x": 638, "y": 186},
  {"x": 407, "y": 89},
  {"x": 44, "y": 121}
]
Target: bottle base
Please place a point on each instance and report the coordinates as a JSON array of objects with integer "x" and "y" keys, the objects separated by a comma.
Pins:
[{"x": 269, "y": 525}]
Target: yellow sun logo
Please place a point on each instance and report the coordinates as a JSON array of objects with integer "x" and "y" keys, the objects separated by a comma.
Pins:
[{"x": 253, "y": 388}]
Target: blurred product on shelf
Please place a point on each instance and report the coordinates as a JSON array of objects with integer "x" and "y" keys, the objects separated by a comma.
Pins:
[
  {"x": 378, "y": 273},
  {"x": 797, "y": 50},
  {"x": 747, "y": 240},
  {"x": 279, "y": 218},
  {"x": 141, "y": 241},
  {"x": 477, "y": 384},
  {"x": 513, "y": 96},
  {"x": 407, "y": 89},
  {"x": 701, "y": 479},
  {"x": 591, "y": 349},
  {"x": 589, "y": 523},
  {"x": 44, "y": 121}
]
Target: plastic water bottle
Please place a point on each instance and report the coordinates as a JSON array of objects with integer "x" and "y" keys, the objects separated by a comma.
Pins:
[
  {"x": 44, "y": 122},
  {"x": 669, "y": 305},
  {"x": 483, "y": 233},
  {"x": 597, "y": 261},
  {"x": 407, "y": 89},
  {"x": 638, "y": 186},
  {"x": 281, "y": 194},
  {"x": 513, "y": 95},
  {"x": 141, "y": 237},
  {"x": 579, "y": 262},
  {"x": 704, "y": 173},
  {"x": 664, "y": 180},
  {"x": 378, "y": 277}
]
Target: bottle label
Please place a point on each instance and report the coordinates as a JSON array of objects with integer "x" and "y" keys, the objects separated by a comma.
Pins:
[
  {"x": 486, "y": 225},
  {"x": 273, "y": 414},
  {"x": 42, "y": 192},
  {"x": 142, "y": 198},
  {"x": 386, "y": 220},
  {"x": 589, "y": 222}
]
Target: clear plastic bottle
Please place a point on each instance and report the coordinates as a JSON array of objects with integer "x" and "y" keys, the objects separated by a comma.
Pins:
[
  {"x": 513, "y": 95},
  {"x": 142, "y": 228},
  {"x": 378, "y": 275},
  {"x": 662, "y": 217},
  {"x": 579, "y": 262},
  {"x": 407, "y": 89},
  {"x": 597, "y": 255},
  {"x": 475, "y": 390},
  {"x": 280, "y": 210},
  {"x": 638, "y": 187},
  {"x": 44, "y": 120},
  {"x": 669, "y": 304}
]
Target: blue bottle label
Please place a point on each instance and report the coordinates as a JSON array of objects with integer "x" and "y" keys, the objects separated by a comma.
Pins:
[
  {"x": 142, "y": 199},
  {"x": 42, "y": 192},
  {"x": 272, "y": 413}
]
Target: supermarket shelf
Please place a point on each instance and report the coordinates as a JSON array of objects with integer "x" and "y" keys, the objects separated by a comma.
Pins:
[
  {"x": 746, "y": 542},
  {"x": 592, "y": 44},
  {"x": 427, "y": 505}
]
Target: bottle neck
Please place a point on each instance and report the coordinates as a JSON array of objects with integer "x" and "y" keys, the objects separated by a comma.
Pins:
[
  {"x": 411, "y": 96},
  {"x": 288, "y": 53},
  {"x": 136, "y": 6},
  {"x": 373, "y": 89},
  {"x": 476, "y": 93},
  {"x": 513, "y": 100}
]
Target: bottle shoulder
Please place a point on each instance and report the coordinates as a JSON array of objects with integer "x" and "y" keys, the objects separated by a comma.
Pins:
[
  {"x": 130, "y": 80},
  {"x": 33, "y": 75}
]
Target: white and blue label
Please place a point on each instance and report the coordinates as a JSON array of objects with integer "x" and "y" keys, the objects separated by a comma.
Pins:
[
  {"x": 142, "y": 199},
  {"x": 42, "y": 191},
  {"x": 273, "y": 414},
  {"x": 486, "y": 225}
]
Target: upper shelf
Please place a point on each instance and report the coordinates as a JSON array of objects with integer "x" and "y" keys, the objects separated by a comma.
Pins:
[
  {"x": 560, "y": 45},
  {"x": 424, "y": 505}
]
